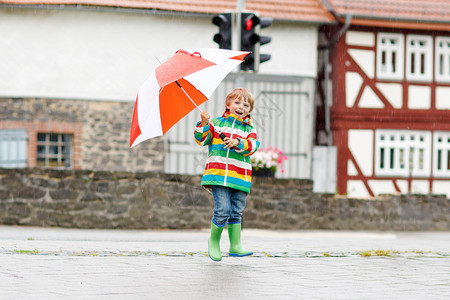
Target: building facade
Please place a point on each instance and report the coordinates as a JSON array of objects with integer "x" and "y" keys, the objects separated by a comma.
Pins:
[
  {"x": 70, "y": 75},
  {"x": 390, "y": 105}
]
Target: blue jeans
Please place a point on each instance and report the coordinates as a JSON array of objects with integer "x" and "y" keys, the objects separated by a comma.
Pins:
[{"x": 229, "y": 204}]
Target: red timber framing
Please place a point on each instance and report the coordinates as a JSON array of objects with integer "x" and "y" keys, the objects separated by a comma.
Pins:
[{"x": 344, "y": 118}]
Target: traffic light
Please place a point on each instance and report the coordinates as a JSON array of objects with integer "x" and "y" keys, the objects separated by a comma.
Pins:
[
  {"x": 223, "y": 38},
  {"x": 251, "y": 40},
  {"x": 264, "y": 23}
]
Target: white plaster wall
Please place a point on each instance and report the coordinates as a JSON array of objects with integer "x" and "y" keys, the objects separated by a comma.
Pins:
[
  {"x": 419, "y": 97},
  {"x": 360, "y": 143},
  {"x": 365, "y": 60},
  {"x": 351, "y": 169},
  {"x": 357, "y": 189},
  {"x": 108, "y": 55},
  {"x": 442, "y": 97},
  {"x": 382, "y": 187},
  {"x": 441, "y": 187},
  {"x": 353, "y": 83},
  {"x": 293, "y": 49},
  {"x": 369, "y": 99},
  {"x": 420, "y": 186},
  {"x": 403, "y": 186},
  {"x": 393, "y": 93},
  {"x": 360, "y": 38}
]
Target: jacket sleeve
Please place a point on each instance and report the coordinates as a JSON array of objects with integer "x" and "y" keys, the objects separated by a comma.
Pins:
[
  {"x": 249, "y": 145},
  {"x": 203, "y": 134}
]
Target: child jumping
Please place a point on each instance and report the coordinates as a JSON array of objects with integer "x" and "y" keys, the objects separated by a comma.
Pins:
[{"x": 231, "y": 139}]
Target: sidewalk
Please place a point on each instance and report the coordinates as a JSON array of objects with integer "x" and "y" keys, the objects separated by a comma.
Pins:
[{"x": 54, "y": 263}]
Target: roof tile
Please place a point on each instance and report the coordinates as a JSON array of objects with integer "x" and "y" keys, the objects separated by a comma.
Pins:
[
  {"x": 406, "y": 10},
  {"x": 297, "y": 10},
  {"x": 422, "y": 14}
]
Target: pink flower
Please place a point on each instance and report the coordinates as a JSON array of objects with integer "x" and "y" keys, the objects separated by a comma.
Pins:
[{"x": 269, "y": 158}]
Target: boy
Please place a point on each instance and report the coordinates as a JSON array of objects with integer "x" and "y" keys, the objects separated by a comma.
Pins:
[{"x": 231, "y": 139}]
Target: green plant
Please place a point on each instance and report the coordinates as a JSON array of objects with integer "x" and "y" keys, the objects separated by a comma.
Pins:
[
  {"x": 367, "y": 253},
  {"x": 26, "y": 251}
]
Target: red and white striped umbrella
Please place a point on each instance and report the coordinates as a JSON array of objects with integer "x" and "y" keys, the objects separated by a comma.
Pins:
[{"x": 176, "y": 87}]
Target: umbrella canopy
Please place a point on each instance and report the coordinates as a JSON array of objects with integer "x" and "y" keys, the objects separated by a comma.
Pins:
[{"x": 176, "y": 87}]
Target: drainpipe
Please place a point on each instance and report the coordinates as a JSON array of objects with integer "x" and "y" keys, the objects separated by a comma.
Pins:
[{"x": 326, "y": 49}]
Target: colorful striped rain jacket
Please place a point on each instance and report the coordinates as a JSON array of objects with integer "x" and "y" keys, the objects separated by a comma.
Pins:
[{"x": 228, "y": 167}]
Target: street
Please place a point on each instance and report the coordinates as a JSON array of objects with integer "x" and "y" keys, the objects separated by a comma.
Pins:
[{"x": 55, "y": 263}]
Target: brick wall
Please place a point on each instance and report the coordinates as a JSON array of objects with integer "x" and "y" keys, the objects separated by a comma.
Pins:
[{"x": 103, "y": 199}]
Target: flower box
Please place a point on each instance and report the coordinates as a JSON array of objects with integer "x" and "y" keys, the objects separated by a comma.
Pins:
[{"x": 265, "y": 162}]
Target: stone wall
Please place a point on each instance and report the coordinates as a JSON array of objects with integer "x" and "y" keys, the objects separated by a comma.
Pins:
[
  {"x": 100, "y": 199},
  {"x": 100, "y": 129}
]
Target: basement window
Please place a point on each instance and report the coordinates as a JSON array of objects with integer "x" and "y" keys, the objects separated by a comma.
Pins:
[
  {"x": 390, "y": 56},
  {"x": 402, "y": 153},
  {"x": 54, "y": 150}
]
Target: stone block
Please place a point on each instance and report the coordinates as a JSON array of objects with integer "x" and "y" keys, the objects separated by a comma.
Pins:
[
  {"x": 28, "y": 193},
  {"x": 4, "y": 195},
  {"x": 64, "y": 194},
  {"x": 19, "y": 210},
  {"x": 103, "y": 175},
  {"x": 88, "y": 197},
  {"x": 55, "y": 173}
]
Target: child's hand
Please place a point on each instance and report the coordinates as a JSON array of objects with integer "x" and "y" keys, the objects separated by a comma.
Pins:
[
  {"x": 230, "y": 143},
  {"x": 205, "y": 118}
]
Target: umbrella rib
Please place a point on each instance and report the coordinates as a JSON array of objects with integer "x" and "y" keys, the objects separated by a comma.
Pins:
[
  {"x": 176, "y": 81},
  {"x": 179, "y": 85}
]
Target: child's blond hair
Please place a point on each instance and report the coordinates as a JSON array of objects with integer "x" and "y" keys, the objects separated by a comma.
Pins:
[{"x": 242, "y": 94}]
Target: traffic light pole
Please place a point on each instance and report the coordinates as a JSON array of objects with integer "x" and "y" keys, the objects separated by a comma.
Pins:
[{"x": 240, "y": 7}]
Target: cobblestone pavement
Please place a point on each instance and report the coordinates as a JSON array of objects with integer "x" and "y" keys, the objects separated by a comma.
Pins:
[{"x": 54, "y": 263}]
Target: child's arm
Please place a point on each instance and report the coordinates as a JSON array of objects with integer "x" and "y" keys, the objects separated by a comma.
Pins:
[
  {"x": 205, "y": 118},
  {"x": 203, "y": 130},
  {"x": 249, "y": 145}
]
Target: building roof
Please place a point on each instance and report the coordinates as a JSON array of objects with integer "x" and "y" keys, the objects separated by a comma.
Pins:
[
  {"x": 414, "y": 14},
  {"x": 294, "y": 10}
]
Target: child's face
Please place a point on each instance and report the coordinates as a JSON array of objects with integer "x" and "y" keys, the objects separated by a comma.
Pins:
[{"x": 239, "y": 108}]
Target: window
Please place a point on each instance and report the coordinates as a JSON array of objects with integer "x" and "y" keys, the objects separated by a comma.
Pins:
[
  {"x": 13, "y": 148},
  {"x": 442, "y": 64},
  {"x": 402, "y": 153},
  {"x": 419, "y": 57},
  {"x": 54, "y": 150},
  {"x": 441, "y": 155},
  {"x": 390, "y": 56}
]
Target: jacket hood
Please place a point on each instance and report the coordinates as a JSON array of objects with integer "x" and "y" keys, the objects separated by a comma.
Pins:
[{"x": 248, "y": 119}]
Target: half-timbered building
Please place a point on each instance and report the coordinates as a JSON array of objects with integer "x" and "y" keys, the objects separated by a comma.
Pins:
[{"x": 389, "y": 96}]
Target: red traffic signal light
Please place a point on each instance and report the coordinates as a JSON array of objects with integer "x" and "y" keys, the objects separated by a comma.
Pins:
[{"x": 250, "y": 27}]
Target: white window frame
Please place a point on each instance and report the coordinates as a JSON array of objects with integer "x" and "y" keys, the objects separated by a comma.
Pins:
[
  {"x": 402, "y": 153},
  {"x": 390, "y": 46},
  {"x": 13, "y": 148},
  {"x": 441, "y": 154},
  {"x": 442, "y": 59},
  {"x": 419, "y": 57}
]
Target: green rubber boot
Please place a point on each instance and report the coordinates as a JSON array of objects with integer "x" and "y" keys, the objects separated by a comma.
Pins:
[
  {"x": 236, "y": 249},
  {"x": 214, "y": 242}
]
